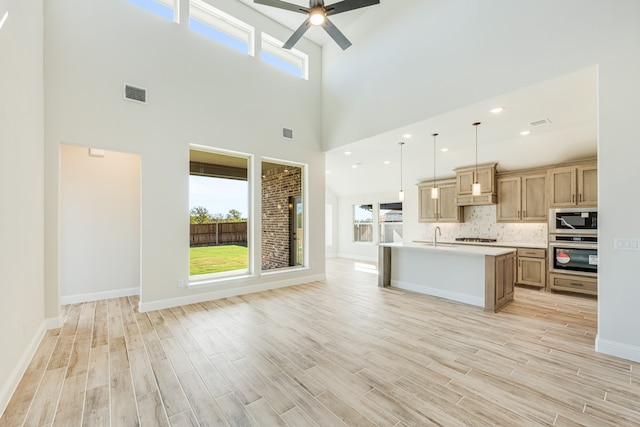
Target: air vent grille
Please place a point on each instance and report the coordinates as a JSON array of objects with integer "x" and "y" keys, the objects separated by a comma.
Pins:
[
  {"x": 287, "y": 133},
  {"x": 540, "y": 122},
  {"x": 135, "y": 94}
]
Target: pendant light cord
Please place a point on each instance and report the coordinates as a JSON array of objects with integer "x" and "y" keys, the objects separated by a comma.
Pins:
[
  {"x": 401, "y": 144},
  {"x": 476, "y": 125},
  {"x": 434, "y": 159}
]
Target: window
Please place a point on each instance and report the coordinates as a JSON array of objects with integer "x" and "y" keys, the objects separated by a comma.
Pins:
[
  {"x": 363, "y": 223},
  {"x": 164, "y": 8},
  {"x": 218, "y": 214},
  {"x": 219, "y": 26},
  {"x": 290, "y": 60},
  {"x": 283, "y": 216},
  {"x": 390, "y": 220}
]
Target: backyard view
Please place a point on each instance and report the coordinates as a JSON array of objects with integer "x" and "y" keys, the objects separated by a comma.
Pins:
[
  {"x": 218, "y": 242},
  {"x": 217, "y": 259}
]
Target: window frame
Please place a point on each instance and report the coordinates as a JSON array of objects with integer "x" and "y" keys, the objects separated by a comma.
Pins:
[
  {"x": 222, "y": 22},
  {"x": 293, "y": 57},
  {"x": 208, "y": 279},
  {"x": 359, "y": 223}
]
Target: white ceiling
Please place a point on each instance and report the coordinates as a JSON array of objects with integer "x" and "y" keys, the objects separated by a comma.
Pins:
[
  {"x": 293, "y": 20},
  {"x": 568, "y": 102}
]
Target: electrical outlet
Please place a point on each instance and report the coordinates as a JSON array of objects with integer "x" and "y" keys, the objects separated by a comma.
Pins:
[
  {"x": 626, "y": 244},
  {"x": 180, "y": 283}
]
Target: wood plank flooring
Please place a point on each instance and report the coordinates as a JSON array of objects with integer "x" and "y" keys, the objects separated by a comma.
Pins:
[{"x": 332, "y": 353}]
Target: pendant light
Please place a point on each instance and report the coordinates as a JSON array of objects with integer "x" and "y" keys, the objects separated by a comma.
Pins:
[
  {"x": 401, "y": 193},
  {"x": 476, "y": 189},
  {"x": 435, "y": 192}
]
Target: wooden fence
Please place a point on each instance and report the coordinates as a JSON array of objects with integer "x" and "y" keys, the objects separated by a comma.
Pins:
[{"x": 221, "y": 233}]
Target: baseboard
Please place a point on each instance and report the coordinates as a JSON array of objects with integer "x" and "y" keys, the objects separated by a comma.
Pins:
[
  {"x": 358, "y": 257},
  {"x": 9, "y": 387},
  {"x": 618, "y": 349},
  {"x": 96, "y": 296},
  {"x": 454, "y": 296},
  {"x": 225, "y": 293}
]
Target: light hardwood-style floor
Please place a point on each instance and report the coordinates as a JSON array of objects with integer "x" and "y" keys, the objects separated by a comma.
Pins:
[{"x": 332, "y": 353}]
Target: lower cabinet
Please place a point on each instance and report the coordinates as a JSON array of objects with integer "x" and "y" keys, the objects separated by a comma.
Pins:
[
  {"x": 532, "y": 267},
  {"x": 573, "y": 283},
  {"x": 501, "y": 276}
]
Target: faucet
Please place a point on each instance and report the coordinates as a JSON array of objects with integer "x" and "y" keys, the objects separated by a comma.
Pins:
[{"x": 436, "y": 231}]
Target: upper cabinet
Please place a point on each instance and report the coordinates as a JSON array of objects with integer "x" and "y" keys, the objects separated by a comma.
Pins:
[
  {"x": 485, "y": 175},
  {"x": 521, "y": 198},
  {"x": 442, "y": 209},
  {"x": 573, "y": 186}
]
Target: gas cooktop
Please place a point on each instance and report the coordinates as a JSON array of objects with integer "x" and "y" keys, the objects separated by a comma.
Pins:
[{"x": 475, "y": 239}]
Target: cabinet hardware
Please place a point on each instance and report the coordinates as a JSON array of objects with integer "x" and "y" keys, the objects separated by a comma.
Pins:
[
  {"x": 524, "y": 214},
  {"x": 577, "y": 284},
  {"x": 581, "y": 197},
  {"x": 573, "y": 198}
]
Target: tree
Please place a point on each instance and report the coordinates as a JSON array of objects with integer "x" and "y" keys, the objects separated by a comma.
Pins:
[
  {"x": 234, "y": 215},
  {"x": 199, "y": 215}
]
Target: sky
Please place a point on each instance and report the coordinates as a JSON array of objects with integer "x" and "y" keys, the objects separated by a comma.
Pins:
[{"x": 219, "y": 195}]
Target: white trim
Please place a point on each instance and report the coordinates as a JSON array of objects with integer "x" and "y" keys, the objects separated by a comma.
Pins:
[
  {"x": 10, "y": 385},
  {"x": 618, "y": 349},
  {"x": 454, "y": 296},
  {"x": 356, "y": 257},
  {"x": 226, "y": 293},
  {"x": 96, "y": 296}
]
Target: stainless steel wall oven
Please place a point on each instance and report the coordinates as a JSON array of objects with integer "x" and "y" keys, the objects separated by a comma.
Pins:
[{"x": 574, "y": 255}]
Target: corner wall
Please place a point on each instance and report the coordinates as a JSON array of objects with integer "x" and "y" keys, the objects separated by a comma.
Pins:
[{"x": 22, "y": 321}]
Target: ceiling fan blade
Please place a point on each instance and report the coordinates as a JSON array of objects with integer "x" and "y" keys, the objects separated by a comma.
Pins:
[
  {"x": 335, "y": 34},
  {"x": 283, "y": 5},
  {"x": 347, "y": 5},
  {"x": 297, "y": 35}
]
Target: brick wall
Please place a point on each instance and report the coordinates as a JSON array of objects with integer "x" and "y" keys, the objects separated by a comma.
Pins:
[{"x": 278, "y": 184}]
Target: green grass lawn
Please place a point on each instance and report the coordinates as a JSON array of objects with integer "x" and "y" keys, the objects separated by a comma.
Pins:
[{"x": 216, "y": 259}]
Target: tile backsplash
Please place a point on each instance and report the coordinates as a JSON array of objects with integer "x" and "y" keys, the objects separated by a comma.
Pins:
[{"x": 480, "y": 221}]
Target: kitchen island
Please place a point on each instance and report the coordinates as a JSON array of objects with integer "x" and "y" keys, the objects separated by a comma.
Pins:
[{"x": 476, "y": 275}]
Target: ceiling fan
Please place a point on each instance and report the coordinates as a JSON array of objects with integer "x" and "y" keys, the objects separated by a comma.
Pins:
[{"x": 318, "y": 14}]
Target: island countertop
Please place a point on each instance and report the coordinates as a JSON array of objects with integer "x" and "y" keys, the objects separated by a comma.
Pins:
[
  {"x": 483, "y": 276},
  {"x": 452, "y": 248}
]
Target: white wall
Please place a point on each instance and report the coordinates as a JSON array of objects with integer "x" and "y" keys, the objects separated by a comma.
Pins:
[
  {"x": 99, "y": 225},
  {"x": 331, "y": 224},
  {"x": 21, "y": 189},
  {"x": 450, "y": 54},
  {"x": 199, "y": 92}
]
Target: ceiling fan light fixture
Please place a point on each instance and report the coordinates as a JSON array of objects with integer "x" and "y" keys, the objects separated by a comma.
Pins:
[{"x": 317, "y": 16}]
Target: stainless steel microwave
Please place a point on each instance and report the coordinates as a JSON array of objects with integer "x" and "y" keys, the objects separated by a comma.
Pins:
[{"x": 573, "y": 221}]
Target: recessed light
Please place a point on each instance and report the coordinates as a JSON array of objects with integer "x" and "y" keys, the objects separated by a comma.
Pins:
[
  {"x": 525, "y": 132},
  {"x": 328, "y": 172},
  {"x": 346, "y": 153},
  {"x": 386, "y": 162},
  {"x": 444, "y": 149},
  {"x": 407, "y": 135},
  {"x": 354, "y": 166},
  {"x": 497, "y": 110}
]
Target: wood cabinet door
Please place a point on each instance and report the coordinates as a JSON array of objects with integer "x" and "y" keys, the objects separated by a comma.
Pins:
[
  {"x": 534, "y": 204},
  {"x": 427, "y": 207},
  {"x": 532, "y": 271},
  {"x": 486, "y": 178},
  {"x": 562, "y": 187},
  {"x": 588, "y": 185},
  {"x": 464, "y": 181},
  {"x": 505, "y": 276},
  {"x": 448, "y": 210},
  {"x": 509, "y": 197}
]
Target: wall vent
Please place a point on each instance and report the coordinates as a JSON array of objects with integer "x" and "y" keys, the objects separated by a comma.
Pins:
[
  {"x": 135, "y": 93},
  {"x": 287, "y": 133},
  {"x": 540, "y": 122}
]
